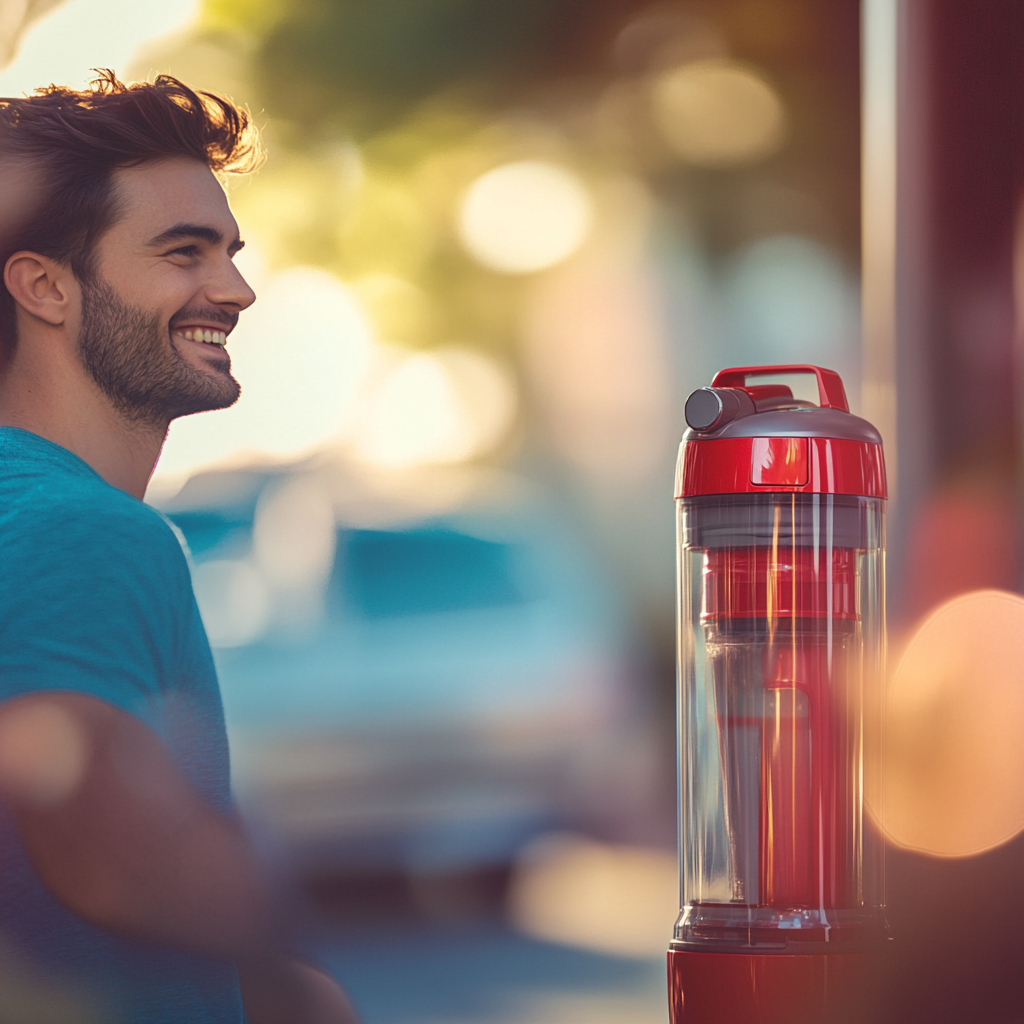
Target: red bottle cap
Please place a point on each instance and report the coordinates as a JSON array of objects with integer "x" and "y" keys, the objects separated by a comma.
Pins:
[{"x": 745, "y": 438}]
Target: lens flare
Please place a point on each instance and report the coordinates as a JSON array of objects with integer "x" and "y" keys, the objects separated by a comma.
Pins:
[
  {"x": 954, "y": 756},
  {"x": 525, "y": 216}
]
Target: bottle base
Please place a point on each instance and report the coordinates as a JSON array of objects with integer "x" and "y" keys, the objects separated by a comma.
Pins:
[{"x": 742, "y": 988}]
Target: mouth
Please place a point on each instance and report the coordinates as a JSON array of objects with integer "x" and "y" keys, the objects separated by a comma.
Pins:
[{"x": 203, "y": 335}]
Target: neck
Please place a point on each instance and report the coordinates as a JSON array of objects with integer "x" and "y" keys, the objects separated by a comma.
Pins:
[{"x": 62, "y": 404}]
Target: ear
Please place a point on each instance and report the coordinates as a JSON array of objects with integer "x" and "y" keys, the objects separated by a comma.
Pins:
[{"x": 41, "y": 286}]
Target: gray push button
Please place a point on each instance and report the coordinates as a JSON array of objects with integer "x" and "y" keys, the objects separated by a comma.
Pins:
[
  {"x": 710, "y": 408},
  {"x": 703, "y": 409}
]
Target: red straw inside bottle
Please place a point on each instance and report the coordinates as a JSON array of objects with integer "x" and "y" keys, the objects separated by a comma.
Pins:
[{"x": 793, "y": 596}]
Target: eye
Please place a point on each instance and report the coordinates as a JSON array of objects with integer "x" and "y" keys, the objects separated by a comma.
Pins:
[{"x": 189, "y": 251}]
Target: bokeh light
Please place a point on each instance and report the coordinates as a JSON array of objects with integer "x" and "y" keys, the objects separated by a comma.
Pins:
[
  {"x": 437, "y": 407},
  {"x": 717, "y": 113},
  {"x": 615, "y": 899},
  {"x": 524, "y": 216},
  {"x": 954, "y": 756}
]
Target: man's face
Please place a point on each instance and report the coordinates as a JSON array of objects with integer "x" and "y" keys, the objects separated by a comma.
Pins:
[{"x": 166, "y": 295}]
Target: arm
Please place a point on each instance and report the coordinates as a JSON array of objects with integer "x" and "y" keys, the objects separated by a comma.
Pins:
[
  {"x": 287, "y": 991},
  {"x": 120, "y": 838}
]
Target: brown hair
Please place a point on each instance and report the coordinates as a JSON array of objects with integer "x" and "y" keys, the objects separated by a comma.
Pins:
[{"x": 73, "y": 142}]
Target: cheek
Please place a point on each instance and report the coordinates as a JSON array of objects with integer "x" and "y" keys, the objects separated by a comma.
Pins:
[{"x": 172, "y": 295}]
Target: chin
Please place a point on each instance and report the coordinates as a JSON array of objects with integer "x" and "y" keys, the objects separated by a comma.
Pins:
[{"x": 220, "y": 393}]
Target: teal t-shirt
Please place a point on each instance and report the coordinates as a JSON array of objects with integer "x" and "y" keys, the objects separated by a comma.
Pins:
[{"x": 96, "y": 598}]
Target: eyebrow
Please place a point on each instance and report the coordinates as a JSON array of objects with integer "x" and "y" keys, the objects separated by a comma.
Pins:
[{"x": 201, "y": 231}]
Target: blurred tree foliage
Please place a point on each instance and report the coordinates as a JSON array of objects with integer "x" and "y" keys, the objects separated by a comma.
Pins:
[
  {"x": 413, "y": 82},
  {"x": 380, "y": 113},
  {"x": 365, "y": 62}
]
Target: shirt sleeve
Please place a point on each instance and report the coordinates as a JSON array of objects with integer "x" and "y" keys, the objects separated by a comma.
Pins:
[{"x": 93, "y": 599}]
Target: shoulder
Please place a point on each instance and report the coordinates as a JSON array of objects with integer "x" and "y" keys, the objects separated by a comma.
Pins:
[
  {"x": 95, "y": 590},
  {"x": 76, "y": 518},
  {"x": 68, "y": 540},
  {"x": 115, "y": 522}
]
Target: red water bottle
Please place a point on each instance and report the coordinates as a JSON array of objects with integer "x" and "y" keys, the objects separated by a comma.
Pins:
[{"x": 781, "y": 630}]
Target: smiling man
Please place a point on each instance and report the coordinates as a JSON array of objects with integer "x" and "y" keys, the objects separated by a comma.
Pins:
[{"x": 125, "y": 880}]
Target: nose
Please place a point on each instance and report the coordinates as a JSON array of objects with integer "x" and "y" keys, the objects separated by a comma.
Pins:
[{"x": 229, "y": 288}]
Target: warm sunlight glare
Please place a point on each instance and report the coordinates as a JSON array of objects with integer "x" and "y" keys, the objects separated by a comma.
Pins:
[
  {"x": 81, "y": 35},
  {"x": 300, "y": 355},
  {"x": 955, "y": 759}
]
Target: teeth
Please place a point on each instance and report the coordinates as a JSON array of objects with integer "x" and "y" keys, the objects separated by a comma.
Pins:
[{"x": 210, "y": 337}]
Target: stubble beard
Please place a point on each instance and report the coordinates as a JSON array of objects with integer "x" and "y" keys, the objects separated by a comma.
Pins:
[{"x": 132, "y": 358}]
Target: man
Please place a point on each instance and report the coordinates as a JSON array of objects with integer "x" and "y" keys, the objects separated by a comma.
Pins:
[{"x": 124, "y": 878}]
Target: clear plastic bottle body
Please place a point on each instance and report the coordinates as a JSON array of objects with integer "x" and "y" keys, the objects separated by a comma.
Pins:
[{"x": 781, "y": 653}]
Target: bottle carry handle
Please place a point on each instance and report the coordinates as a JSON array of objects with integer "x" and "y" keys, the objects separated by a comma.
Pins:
[{"x": 831, "y": 393}]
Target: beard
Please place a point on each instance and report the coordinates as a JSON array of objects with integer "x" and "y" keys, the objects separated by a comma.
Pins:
[{"x": 133, "y": 360}]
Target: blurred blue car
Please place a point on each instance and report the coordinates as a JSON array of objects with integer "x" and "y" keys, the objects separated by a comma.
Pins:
[{"x": 437, "y": 691}]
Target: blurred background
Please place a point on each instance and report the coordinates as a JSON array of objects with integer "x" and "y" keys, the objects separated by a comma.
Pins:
[{"x": 496, "y": 244}]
